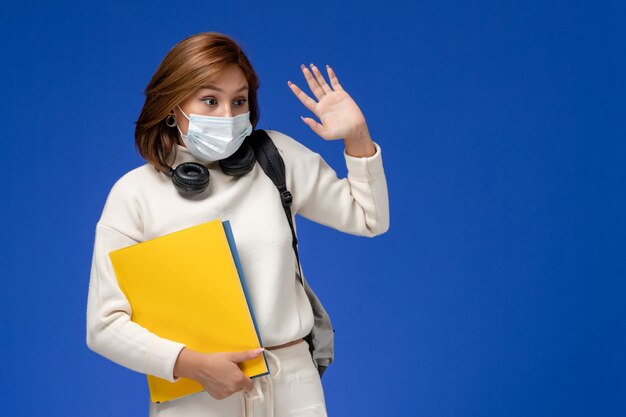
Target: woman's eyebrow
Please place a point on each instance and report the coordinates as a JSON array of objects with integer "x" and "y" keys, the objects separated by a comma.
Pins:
[{"x": 212, "y": 87}]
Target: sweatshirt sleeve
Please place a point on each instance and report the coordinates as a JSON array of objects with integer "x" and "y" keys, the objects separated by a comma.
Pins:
[
  {"x": 110, "y": 331},
  {"x": 357, "y": 204}
]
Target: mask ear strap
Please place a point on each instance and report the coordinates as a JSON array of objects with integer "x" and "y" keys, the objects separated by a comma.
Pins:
[{"x": 181, "y": 110}]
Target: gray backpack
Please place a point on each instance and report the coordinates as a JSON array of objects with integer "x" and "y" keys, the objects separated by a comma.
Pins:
[{"x": 321, "y": 340}]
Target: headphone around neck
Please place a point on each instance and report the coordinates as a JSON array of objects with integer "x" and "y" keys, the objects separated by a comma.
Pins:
[{"x": 191, "y": 178}]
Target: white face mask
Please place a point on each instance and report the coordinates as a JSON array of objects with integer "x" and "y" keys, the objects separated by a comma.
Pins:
[{"x": 211, "y": 138}]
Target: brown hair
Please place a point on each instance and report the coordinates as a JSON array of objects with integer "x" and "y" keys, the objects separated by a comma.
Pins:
[{"x": 189, "y": 65}]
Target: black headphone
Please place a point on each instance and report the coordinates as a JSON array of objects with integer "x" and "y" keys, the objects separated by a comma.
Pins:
[{"x": 191, "y": 178}]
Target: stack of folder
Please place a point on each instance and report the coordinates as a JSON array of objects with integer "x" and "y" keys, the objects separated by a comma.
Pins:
[{"x": 188, "y": 286}]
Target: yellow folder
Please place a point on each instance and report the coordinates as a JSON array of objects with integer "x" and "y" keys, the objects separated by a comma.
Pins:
[{"x": 188, "y": 286}]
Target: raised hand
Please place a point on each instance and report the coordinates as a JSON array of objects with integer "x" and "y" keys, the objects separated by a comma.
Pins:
[{"x": 339, "y": 115}]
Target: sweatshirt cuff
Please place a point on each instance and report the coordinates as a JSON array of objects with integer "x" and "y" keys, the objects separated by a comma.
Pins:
[
  {"x": 162, "y": 357},
  {"x": 365, "y": 168}
]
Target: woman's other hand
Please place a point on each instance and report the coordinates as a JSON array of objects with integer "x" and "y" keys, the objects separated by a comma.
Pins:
[
  {"x": 339, "y": 115},
  {"x": 218, "y": 373}
]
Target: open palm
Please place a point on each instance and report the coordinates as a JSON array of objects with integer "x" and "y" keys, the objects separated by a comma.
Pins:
[{"x": 338, "y": 113}]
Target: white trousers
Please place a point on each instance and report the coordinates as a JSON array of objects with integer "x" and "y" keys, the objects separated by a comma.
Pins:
[{"x": 292, "y": 389}]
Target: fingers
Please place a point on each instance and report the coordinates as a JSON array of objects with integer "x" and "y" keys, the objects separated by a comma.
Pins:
[
  {"x": 226, "y": 390},
  {"x": 314, "y": 85},
  {"x": 308, "y": 102},
  {"x": 320, "y": 80},
  {"x": 247, "y": 383},
  {"x": 320, "y": 89},
  {"x": 317, "y": 83},
  {"x": 245, "y": 355},
  {"x": 333, "y": 79}
]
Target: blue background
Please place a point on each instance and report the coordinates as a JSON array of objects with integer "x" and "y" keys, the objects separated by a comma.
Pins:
[{"x": 499, "y": 288}]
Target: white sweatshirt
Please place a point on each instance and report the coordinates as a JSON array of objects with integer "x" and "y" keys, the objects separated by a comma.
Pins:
[{"x": 144, "y": 204}]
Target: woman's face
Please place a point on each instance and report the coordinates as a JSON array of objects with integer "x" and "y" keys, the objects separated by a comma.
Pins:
[{"x": 226, "y": 96}]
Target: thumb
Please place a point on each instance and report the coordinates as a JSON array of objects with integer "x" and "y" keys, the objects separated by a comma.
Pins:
[
  {"x": 315, "y": 126},
  {"x": 245, "y": 355}
]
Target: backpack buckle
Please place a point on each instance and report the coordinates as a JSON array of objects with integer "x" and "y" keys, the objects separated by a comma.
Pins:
[{"x": 286, "y": 197}]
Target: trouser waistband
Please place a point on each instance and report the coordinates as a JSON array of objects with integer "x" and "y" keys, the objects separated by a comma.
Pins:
[{"x": 293, "y": 342}]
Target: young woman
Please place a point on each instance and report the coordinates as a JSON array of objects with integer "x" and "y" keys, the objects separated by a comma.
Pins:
[{"x": 204, "y": 91}]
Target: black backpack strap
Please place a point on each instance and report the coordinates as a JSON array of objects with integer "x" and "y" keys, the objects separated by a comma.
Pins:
[
  {"x": 321, "y": 338},
  {"x": 272, "y": 163}
]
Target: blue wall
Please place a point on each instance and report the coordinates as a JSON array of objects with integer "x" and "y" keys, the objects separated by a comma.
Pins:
[{"x": 499, "y": 289}]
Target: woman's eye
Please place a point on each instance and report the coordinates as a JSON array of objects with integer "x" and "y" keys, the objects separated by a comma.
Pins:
[
  {"x": 240, "y": 101},
  {"x": 209, "y": 100}
]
